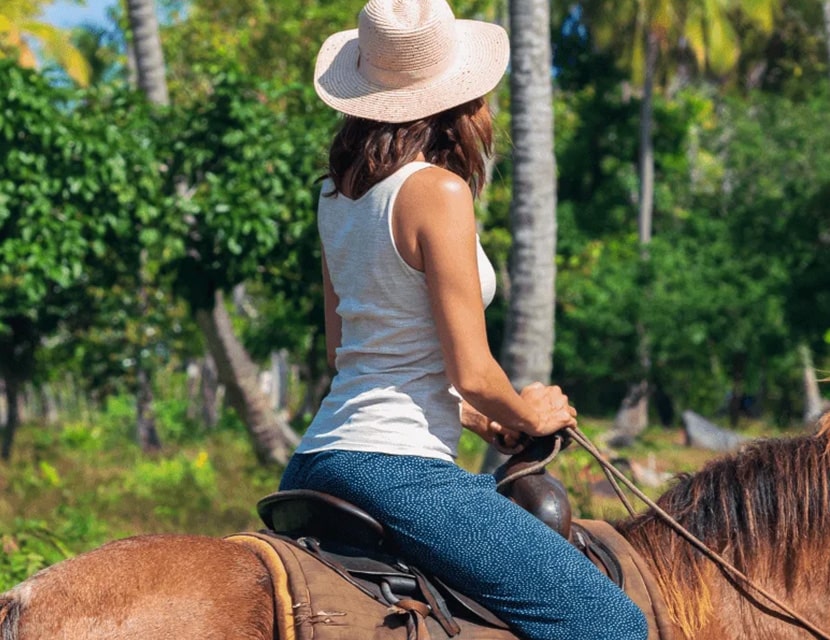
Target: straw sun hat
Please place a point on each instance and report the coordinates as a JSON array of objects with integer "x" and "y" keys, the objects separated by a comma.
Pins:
[{"x": 409, "y": 59}]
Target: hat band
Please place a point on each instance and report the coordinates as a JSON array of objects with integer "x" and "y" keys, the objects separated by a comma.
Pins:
[{"x": 401, "y": 78}]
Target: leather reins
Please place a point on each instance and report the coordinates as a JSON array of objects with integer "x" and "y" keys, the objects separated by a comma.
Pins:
[{"x": 615, "y": 477}]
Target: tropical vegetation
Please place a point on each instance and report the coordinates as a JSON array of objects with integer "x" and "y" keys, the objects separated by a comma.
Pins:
[{"x": 161, "y": 338}]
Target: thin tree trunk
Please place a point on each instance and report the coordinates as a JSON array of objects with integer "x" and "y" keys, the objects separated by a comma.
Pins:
[
  {"x": 149, "y": 57},
  {"x": 3, "y": 406},
  {"x": 149, "y": 62},
  {"x": 646, "y": 212},
  {"x": 826, "y": 6},
  {"x": 632, "y": 417},
  {"x": 814, "y": 404},
  {"x": 271, "y": 437},
  {"x": 48, "y": 404},
  {"x": 12, "y": 416},
  {"x": 209, "y": 388},
  {"x": 146, "y": 433},
  {"x": 527, "y": 350},
  {"x": 194, "y": 382}
]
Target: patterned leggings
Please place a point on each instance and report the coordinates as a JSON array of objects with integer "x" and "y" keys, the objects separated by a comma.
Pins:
[{"x": 454, "y": 523}]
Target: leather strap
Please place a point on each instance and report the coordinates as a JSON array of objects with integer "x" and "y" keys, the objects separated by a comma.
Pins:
[
  {"x": 438, "y": 605},
  {"x": 416, "y": 613}
]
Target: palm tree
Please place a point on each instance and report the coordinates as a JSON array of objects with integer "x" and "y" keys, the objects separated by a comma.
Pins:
[
  {"x": 272, "y": 438},
  {"x": 19, "y": 30},
  {"x": 826, "y": 7},
  {"x": 95, "y": 44},
  {"x": 528, "y": 346},
  {"x": 149, "y": 56},
  {"x": 527, "y": 349},
  {"x": 658, "y": 26}
]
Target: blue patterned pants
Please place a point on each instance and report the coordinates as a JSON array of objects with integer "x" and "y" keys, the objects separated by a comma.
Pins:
[{"x": 455, "y": 524}]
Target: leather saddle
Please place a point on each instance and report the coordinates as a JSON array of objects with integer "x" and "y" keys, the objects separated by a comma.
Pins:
[{"x": 354, "y": 544}]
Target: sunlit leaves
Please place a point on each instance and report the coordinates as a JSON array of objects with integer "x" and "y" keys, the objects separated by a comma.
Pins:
[{"x": 22, "y": 34}]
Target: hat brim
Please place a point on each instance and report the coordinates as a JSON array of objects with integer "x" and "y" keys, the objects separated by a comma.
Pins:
[{"x": 481, "y": 57}]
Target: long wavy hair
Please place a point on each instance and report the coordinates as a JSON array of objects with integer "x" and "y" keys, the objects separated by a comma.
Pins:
[{"x": 364, "y": 152}]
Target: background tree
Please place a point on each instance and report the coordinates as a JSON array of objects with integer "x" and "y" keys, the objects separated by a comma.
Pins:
[
  {"x": 149, "y": 63},
  {"x": 706, "y": 29},
  {"x": 527, "y": 348},
  {"x": 271, "y": 436},
  {"x": 825, "y": 5},
  {"x": 249, "y": 216},
  {"x": 76, "y": 183}
]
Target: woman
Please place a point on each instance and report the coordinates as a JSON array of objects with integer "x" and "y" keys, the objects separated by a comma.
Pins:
[{"x": 406, "y": 283}]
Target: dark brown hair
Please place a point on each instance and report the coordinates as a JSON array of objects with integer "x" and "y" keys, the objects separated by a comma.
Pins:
[{"x": 364, "y": 152}]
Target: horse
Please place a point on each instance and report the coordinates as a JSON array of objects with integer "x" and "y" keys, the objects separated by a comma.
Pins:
[{"x": 765, "y": 509}]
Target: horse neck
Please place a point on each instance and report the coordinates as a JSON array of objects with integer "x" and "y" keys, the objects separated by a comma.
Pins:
[{"x": 766, "y": 509}]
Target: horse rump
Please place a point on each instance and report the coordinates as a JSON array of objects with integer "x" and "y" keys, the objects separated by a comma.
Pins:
[{"x": 9, "y": 618}]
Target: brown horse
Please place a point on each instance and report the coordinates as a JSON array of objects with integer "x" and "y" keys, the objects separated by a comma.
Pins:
[{"x": 766, "y": 509}]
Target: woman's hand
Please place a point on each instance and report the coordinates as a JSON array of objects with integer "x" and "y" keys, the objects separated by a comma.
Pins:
[
  {"x": 487, "y": 429},
  {"x": 552, "y": 407}
]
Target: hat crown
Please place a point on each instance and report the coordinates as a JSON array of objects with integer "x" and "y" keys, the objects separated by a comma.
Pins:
[
  {"x": 409, "y": 59},
  {"x": 406, "y": 35}
]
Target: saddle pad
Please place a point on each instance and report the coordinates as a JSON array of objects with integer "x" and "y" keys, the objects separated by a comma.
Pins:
[{"x": 313, "y": 602}]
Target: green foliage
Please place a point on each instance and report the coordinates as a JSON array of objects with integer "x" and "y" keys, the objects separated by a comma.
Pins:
[
  {"x": 80, "y": 194},
  {"x": 733, "y": 278},
  {"x": 270, "y": 40},
  {"x": 44, "y": 238},
  {"x": 26, "y": 548},
  {"x": 779, "y": 217},
  {"x": 85, "y": 483},
  {"x": 251, "y": 172}
]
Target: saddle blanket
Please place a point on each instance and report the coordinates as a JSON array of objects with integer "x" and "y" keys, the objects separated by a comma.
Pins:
[{"x": 315, "y": 601}]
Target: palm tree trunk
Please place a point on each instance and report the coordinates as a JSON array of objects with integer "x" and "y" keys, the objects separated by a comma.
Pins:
[
  {"x": 149, "y": 57},
  {"x": 826, "y": 6},
  {"x": 272, "y": 438},
  {"x": 12, "y": 416},
  {"x": 528, "y": 345},
  {"x": 646, "y": 213},
  {"x": 527, "y": 350},
  {"x": 149, "y": 61},
  {"x": 632, "y": 417}
]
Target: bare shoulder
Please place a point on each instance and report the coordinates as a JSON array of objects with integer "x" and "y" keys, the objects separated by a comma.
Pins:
[{"x": 435, "y": 194}]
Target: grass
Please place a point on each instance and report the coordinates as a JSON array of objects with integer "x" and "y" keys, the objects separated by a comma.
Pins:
[{"x": 73, "y": 487}]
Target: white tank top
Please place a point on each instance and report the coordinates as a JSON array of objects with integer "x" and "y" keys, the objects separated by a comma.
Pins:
[{"x": 391, "y": 393}]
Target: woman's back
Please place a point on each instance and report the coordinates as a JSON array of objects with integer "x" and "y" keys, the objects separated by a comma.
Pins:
[{"x": 391, "y": 392}]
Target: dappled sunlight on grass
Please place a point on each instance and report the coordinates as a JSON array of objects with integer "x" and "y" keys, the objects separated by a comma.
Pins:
[{"x": 71, "y": 488}]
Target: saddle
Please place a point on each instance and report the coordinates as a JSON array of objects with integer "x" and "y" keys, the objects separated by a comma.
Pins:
[
  {"x": 340, "y": 569},
  {"x": 360, "y": 564}
]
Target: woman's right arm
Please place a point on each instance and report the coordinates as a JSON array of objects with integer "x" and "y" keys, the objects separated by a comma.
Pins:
[{"x": 436, "y": 229}]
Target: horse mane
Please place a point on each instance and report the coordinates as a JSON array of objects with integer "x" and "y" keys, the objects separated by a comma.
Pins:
[
  {"x": 771, "y": 495},
  {"x": 9, "y": 618}
]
